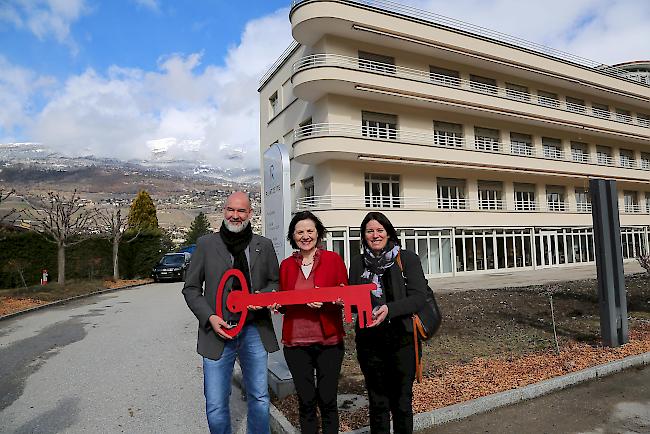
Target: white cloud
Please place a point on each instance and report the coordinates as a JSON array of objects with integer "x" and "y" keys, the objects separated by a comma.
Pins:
[
  {"x": 44, "y": 17},
  {"x": 182, "y": 110},
  {"x": 18, "y": 86},
  {"x": 185, "y": 109},
  {"x": 599, "y": 30}
]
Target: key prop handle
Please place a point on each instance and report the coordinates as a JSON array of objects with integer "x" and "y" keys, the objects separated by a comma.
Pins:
[{"x": 237, "y": 274}]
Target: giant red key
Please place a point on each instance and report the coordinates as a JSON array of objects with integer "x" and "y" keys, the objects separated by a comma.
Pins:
[{"x": 238, "y": 301}]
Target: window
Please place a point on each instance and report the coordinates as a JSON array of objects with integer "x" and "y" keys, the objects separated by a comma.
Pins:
[
  {"x": 308, "y": 190},
  {"x": 308, "y": 186},
  {"x": 382, "y": 190},
  {"x": 623, "y": 115},
  {"x": 486, "y": 139},
  {"x": 643, "y": 120},
  {"x": 575, "y": 105},
  {"x": 518, "y": 92},
  {"x": 604, "y": 156},
  {"x": 274, "y": 105},
  {"x": 631, "y": 201},
  {"x": 600, "y": 110},
  {"x": 490, "y": 195},
  {"x": 376, "y": 62},
  {"x": 548, "y": 99},
  {"x": 555, "y": 198},
  {"x": 645, "y": 161},
  {"x": 579, "y": 152},
  {"x": 451, "y": 193},
  {"x": 447, "y": 134},
  {"x": 521, "y": 144},
  {"x": 378, "y": 125},
  {"x": 525, "y": 197},
  {"x": 305, "y": 129},
  {"x": 583, "y": 200},
  {"x": 483, "y": 84},
  {"x": 552, "y": 148},
  {"x": 446, "y": 77},
  {"x": 626, "y": 158}
]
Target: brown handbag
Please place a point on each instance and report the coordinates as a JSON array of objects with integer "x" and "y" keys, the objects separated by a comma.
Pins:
[{"x": 426, "y": 322}]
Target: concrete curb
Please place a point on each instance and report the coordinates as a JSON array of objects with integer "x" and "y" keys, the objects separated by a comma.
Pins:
[
  {"x": 66, "y": 300},
  {"x": 509, "y": 397}
]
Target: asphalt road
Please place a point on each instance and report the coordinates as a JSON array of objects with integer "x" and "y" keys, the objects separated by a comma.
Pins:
[
  {"x": 119, "y": 362},
  {"x": 616, "y": 404}
]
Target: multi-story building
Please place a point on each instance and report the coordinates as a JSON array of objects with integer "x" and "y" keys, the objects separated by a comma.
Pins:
[{"x": 477, "y": 145}]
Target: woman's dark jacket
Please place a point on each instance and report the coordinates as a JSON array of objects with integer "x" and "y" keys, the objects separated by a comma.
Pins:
[{"x": 405, "y": 299}]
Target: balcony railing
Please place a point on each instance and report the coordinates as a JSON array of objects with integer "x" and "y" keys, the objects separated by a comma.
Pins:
[
  {"x": 487, "y": 144},
  {"x": 337, "y": 60},
  {"x": 553, "y": 153},
  {"x": 437, "y": 139},
  {"x": 580, "y": 157},
  {"x": 360, "y": 202},
  {"x": 605, "y": 160},
  {"x": 392, "y": 6},
  {"x": 583, "y": 207},
  {"x": 632, "y": 208},
  {"x": 627, "y": 162}
]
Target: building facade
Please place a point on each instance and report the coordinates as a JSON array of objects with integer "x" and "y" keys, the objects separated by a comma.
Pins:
[{"x": 478, "y": 146}]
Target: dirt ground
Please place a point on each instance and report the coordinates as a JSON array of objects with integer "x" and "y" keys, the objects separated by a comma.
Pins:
[
  {"x": 495, "y": 340},
  {"x": 17, "y": 299}
]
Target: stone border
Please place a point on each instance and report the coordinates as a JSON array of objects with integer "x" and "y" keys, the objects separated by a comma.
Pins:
[
  {"x": 65, "y": 300},
  {"x": 501, "y": 399}
]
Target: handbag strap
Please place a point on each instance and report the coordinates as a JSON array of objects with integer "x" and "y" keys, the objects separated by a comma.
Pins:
[{"x": 418, "y": 364}]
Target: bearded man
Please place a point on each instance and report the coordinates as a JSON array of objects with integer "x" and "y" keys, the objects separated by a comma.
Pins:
[{"x": 234, "y": 246}]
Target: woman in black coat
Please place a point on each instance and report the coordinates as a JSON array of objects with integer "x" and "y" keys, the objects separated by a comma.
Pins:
[{"x": 385, "y": 349}]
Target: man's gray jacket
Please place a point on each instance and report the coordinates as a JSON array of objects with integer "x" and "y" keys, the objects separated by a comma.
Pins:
[{"x": 210, "y": 261}]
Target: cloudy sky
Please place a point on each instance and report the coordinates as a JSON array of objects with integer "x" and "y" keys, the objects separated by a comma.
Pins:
[{"x": 124, "y": 78}]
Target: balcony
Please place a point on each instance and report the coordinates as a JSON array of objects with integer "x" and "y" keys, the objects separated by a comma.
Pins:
[
  {"x": 359, "y": 202},
  {"x": 313, "y": 86},
  {"x": 632, "y": 208},
  {"x": 439, "y": 140}
]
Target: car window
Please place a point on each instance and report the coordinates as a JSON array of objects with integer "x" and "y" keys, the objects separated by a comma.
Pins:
[{"x": 172, "y": 260}]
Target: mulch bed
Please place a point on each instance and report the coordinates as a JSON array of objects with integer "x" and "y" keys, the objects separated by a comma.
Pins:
[
  {"x": 497, "y": 340},
  {"x": 15, "y": 303}
]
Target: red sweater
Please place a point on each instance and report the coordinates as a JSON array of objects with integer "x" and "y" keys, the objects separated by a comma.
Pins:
[{"x": 329, "y": 270}]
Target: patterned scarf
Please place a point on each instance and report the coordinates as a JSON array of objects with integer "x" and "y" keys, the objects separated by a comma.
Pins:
[{"x": 376, "y": 265}]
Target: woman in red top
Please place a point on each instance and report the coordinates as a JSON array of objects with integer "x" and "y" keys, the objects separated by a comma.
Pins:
[{"x": 312, "y": 334}]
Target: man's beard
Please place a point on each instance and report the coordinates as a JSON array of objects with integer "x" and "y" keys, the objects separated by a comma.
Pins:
[{"x": 234, "y": 227}]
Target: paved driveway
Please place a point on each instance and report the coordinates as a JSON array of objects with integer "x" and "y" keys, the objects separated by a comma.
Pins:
[{"x": 119, "y": 362}]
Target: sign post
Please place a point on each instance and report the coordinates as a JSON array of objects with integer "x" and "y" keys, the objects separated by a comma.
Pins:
[
  {"x": 276, "y": 197},
  {"x": 609, "y": 262}
]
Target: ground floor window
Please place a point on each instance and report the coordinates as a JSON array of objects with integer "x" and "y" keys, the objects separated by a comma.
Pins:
[{"x": 447, "y": 251}]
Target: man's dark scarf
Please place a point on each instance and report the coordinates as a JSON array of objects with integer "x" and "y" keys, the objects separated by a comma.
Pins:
[{"x": 236, "y": 243}]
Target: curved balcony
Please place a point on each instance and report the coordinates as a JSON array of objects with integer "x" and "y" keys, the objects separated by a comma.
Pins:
[
  {"x": 403, "y": 27},
  {"x": 357, "y": 202},
  {"x": 316, "y": 143},
  {"x": 319, "y": 74}
]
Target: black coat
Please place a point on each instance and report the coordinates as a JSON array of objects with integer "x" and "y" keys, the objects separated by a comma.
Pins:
[{"x": 406, "y": 298}]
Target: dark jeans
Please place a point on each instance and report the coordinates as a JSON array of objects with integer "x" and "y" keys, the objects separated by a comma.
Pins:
[
  {"x": 386, "y": 355},
  {"x": 325, "y": 361}
]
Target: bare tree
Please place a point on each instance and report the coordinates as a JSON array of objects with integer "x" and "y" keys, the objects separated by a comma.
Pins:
[
  {"x": 63, "y": 221},
  {"x": 4, "y": 195},
  {"x": 115, "y": 226}
]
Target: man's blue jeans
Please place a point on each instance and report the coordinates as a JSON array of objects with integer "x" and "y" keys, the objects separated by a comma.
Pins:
[{"x": 217, "y": 378}]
